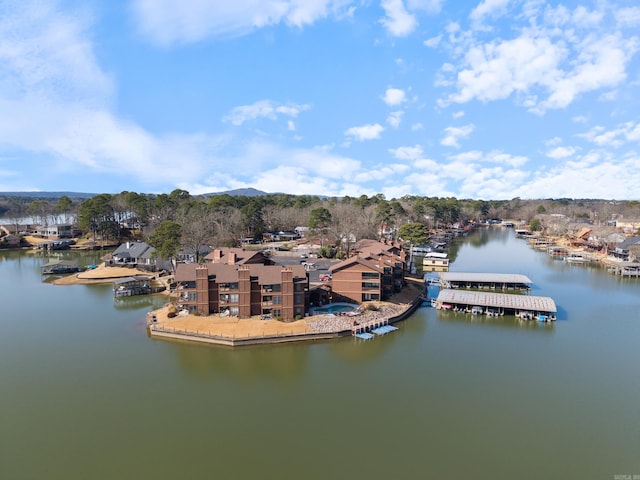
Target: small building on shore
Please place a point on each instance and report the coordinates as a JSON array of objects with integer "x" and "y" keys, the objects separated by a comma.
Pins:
[{"x": 435, "y": 262}]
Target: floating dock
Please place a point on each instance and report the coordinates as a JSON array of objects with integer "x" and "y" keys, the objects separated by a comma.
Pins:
[
  {"x": 364, "y": 335},
  {"x": 489, "y": 303},
  {"x": 384, "y": 329}
]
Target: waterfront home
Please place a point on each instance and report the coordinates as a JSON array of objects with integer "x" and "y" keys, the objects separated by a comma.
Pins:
[
  {"x": 55, "y": 231},
  {"x": 272, "y": 291},
  {"x": 435, "y": 262},
  {"x": 139, "y": 255},
  {"x": 189, "y": 255},
  {"x": 624, "y": 250}
]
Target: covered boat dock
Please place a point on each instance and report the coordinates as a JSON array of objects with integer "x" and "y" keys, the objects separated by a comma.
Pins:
[
  {"x": 59, "y": 267},
  {"x": 135, "y": 285},
  {"x": 494, "y": 304},
  {"x": 626, "y": 269},
  {"x": 485, "y": 281}
]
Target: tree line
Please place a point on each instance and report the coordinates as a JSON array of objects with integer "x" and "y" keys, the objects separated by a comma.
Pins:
[{"x": 179, "y": 219}]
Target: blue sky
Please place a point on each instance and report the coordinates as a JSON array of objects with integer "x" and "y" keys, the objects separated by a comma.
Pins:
[{"x": 493, "y": 99}]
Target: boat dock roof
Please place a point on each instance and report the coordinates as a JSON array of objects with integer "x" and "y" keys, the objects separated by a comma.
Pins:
[
  {"x": 512, "y": 278},
  {"x": 500, "y": 300}
]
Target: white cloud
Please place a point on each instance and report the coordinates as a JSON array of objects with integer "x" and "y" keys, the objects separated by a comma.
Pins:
[
  {"x": 628, "y": 17},
  {"x": 458, "y": 114},
  {"x": 46, "y": 53},
  {"x": 394, "y": 118},
  {"x": 398, "y": 21},
  {"x": 394, "y": 97},
  {"x": 432, "y": 42},
  {"x": 556, "y": 56},
  {"x": 561, "y": 152},
  {"x": 365, "y": 132},
  {"x": 625, "y": 132},
  {"x": 488, "y": 7},
  {"x": 452, "y": 135},
  {"x": 381, "y": 172},
  {"x": 407, "y": 153},
  {"x": 185, "y": 21},
  {"x": 417, "y": 127},
  {"x": 263, "y": 109}
]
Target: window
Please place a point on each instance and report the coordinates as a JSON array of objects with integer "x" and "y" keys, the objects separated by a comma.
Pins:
[
  {"x": 233, "y": 311},
  {"x": 297, "y": 299},
  {"x": 370, "y": 296},
  {"x": 370, "y": 274},
  {"x": 233, "y": 298},
  {"x": 193, "y": 296},
  {"x": 299, "y": 287},
  {"x": 277, "y": 300},
  {"x": 368, "y": 285}
]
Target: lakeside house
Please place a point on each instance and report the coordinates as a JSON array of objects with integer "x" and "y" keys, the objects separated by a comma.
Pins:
[
  {"x": 139, "y": 255},
  {"x": 55, "y": 231},
  {"x": 622, "y": 251}
]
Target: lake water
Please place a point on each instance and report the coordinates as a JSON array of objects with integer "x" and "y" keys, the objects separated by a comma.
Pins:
[{"x": 85, "y": 394}]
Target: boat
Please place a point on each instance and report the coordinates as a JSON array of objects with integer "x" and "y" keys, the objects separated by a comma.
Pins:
[
  {"x": 575, "y": 258},
  {"x": 477, "y": 310}
]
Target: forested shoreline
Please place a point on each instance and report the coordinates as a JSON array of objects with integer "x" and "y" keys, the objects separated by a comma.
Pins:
[{"x": 229, "y": 220}]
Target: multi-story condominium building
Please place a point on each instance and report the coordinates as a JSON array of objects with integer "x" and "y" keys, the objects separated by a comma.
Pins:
[
  {"x": 243, "y": 290},
  {"x": 374, "y": 273}
]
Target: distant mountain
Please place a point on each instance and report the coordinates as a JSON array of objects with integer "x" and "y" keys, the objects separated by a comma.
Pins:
[
  {"x": 239, "y": 192},
  {"x": 47, "y": 194}
]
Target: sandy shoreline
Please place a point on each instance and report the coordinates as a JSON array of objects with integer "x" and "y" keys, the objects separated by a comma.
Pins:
[{"x": 100, "y": 274}]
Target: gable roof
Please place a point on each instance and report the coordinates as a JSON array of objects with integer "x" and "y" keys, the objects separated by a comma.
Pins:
[
  {"x": 366, "y": 262},
  {"x": 242, "y": 256},
  {"x": 133, "y": 250}
]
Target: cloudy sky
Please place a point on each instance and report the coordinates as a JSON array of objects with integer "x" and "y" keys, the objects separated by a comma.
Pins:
[{"x": 492, "y": 99}]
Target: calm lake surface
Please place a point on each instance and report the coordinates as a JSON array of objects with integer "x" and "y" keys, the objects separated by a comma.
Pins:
[{"x": 85, "y": 394}]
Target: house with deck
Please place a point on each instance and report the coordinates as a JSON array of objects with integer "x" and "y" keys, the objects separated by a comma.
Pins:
[{"x": 139, "y": 255}]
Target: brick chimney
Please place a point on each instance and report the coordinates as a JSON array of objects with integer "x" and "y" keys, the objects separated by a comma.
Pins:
[
  {"x": 232, "y": 258},
  {"x": 217, "y": 255}
]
